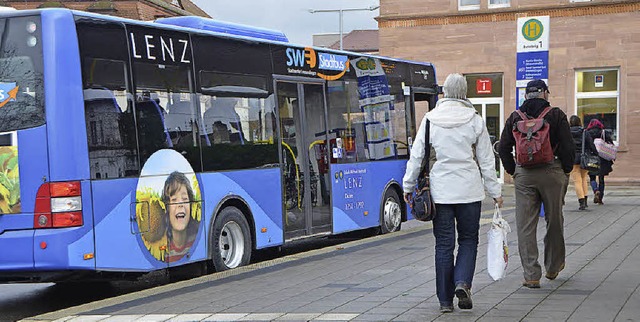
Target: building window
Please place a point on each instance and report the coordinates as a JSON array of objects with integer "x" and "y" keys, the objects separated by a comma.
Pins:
[
  {"x": 468, "y": 4},
  {"x": 597, "y": 93},
  {"x": 499, "y": 4},
  {"x": 484, "y": 85}
]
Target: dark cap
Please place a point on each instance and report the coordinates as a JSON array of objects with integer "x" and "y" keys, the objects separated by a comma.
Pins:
[{"x": 537, "y": 85}]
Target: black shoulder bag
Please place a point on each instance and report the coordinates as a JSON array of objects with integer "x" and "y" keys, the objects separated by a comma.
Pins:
[
  {"x": 422, "y": 206},
  {"x": 588, "y": 161}
]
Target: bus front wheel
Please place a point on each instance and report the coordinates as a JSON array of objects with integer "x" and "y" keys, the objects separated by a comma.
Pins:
[
  {"x": 231, "y": 242},
  {"x": 391, "y": 213}
]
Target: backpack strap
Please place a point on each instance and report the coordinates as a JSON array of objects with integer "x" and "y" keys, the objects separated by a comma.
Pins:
[
  {"x": 424, "y": 172},
  {"x": 545, "y": 111},
  {"x": 522, "y": 115}
]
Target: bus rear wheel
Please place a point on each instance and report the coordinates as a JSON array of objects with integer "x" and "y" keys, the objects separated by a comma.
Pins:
[
  {"x": 231, "y": 242},
  {"x": 391, "y": 213}
]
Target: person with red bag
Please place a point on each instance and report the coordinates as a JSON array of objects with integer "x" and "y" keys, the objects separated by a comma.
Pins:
[{"x": 539, "y": 185}]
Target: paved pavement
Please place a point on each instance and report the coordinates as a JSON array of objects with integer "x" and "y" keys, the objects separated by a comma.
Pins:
[{"x": 391, "y": 278}]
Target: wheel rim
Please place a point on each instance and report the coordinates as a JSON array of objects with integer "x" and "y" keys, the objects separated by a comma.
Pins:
[
  {"x": 231, "y": 244},
  {"x": 392, "y": 214}
]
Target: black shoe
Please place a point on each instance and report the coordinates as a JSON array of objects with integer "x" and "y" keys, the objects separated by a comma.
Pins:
[
  {"x": 446, "y": 308},
  {"x": 597, "y": 198},
  {"x": 464, "y": 297},
  {"x": 585, "y": 202},
  {"x": 581, "y": 202}
]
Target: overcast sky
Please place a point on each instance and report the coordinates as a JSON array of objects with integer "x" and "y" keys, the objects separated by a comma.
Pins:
[{"x": 292, "y": 16}]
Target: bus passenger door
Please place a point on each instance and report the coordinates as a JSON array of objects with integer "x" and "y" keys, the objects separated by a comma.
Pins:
[{"x": 303, "y": 132}]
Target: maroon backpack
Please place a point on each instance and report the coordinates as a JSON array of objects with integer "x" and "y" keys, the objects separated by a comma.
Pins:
[{"x": 533, "y": 146}]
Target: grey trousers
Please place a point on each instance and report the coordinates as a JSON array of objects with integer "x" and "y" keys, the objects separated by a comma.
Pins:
[{"x": 533, "y": 186}]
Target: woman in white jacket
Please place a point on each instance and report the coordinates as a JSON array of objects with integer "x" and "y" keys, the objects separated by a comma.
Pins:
[{"x": 458, "y": 183}]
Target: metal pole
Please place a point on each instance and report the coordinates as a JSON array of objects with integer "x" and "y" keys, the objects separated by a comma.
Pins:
[
  {"x": 341, "y": 11},
  {"x": 340, "y": 29}
]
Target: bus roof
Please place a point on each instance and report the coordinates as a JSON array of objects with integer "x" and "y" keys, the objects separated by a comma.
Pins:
[
  {"x": 201, "y": 23},
  {"x": 211, "y": 27}
]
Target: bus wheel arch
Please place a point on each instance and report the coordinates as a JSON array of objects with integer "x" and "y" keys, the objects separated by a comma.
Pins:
[
  {"x": 392, "y": 209},
  {"x": 231, "y": 237}
]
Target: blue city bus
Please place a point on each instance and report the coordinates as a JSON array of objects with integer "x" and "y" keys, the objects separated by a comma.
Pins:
[{"x": 128, "y": 147}]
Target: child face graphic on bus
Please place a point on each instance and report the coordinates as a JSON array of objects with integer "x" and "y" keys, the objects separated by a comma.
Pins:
[
  {"x": 179, "y": 209},
  {"x": 177, "y": 196}
]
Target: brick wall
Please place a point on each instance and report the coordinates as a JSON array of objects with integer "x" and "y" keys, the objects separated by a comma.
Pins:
[{"x": 603, "y": 37}]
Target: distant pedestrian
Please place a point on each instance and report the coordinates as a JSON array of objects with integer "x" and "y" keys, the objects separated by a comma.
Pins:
[
  {"x": 540, "y": 184},
  {"x": 580, "y": 176},
  {"x": 596, "y": 128},
  {"x": 456, "y": 133}
]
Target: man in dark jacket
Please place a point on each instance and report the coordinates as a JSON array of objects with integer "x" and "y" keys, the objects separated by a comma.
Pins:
[{"x": 543, "y": 184}]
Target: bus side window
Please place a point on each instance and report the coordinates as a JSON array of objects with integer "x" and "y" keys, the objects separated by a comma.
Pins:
[
  {"x": 104, "y": 56},
  {"x": 109, "y": 121},
  {"x": 152, "y": 132},
  {"x": 238, "y": 114},
  {"x": 165, "y": 111},
  {"x": 102, "y": 118}
]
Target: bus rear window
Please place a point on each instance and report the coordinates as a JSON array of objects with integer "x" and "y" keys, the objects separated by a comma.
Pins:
[{"x": 21, "y": 73}]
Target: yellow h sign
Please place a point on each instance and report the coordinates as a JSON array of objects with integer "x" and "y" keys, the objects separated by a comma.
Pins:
[{"x": 532, "y": 29}]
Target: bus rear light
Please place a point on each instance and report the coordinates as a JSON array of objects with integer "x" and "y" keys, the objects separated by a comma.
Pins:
[
  {"x": 58, "y": 204},
  {"x": 42, "y": 220},
  {"x": 66, "y": 204},
  {"x": 67, "y": 219},
  {"x": 32, "y": 41},
  {"x": 31, "y": 27},
  {"x": 65, "y": 189}
]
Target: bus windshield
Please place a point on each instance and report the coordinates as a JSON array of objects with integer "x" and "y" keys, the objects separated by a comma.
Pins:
[{"x": 21, "y": 74}]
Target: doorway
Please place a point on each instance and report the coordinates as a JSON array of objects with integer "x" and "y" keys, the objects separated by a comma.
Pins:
[
  {"x": 492, "y": 111},
  {"x": 304, "y": 167}
]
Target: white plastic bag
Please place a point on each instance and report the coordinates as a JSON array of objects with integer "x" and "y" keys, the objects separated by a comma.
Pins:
[{"x": 497, "y": 249}]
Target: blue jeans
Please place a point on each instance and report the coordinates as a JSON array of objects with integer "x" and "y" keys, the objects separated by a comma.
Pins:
[
  {"x": 448, "y": 274},
  {"x": 597, "y": 186}
]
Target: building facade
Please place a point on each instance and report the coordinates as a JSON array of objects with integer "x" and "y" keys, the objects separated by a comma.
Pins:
[
  {"x": 359, "y": 41},
  {"x": 132, "y": 9},
  {"x": 594, "y": 58}
]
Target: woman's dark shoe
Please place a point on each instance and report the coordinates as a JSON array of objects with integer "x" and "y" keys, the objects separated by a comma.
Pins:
[
  {"x": 585, "y": 202},
  {"x": 531, "y": 284},
  {"x": 597, "y": 198},
  {"x": 446, "y": 308},
  {"x": 582, "y": 206},
  {"x": 464, "y": 297}
]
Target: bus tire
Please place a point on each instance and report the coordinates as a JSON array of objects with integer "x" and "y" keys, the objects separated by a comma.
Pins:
[
  {"x": 390, "y": 213},
  {"x": 231, "y": 240}
]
